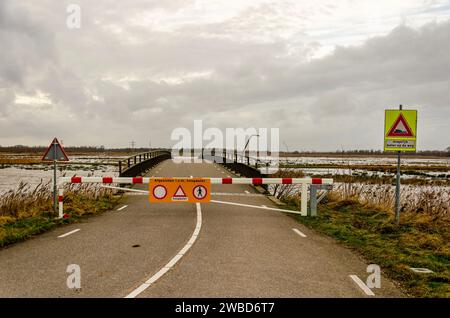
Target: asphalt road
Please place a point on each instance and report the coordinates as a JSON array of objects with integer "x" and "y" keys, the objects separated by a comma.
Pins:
[{"x": 187, "y": 250}]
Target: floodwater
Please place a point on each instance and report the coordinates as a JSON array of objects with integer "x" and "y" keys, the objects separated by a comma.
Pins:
[{"x": 12, "y": 175}]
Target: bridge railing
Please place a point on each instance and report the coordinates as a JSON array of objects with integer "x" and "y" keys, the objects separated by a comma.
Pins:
[
  {"x": 139, "y": 159},
  {"x": 242, "y": 161}
]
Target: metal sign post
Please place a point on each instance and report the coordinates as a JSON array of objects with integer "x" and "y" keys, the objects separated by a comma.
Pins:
[
  {"x": 397, "y": 187},
  {"x": 55, "y": 208},
  {"x": 400, "y": 134},
  {"x": 54, "y": 153}
]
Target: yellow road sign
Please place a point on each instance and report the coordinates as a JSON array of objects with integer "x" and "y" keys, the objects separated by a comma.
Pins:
[
  {"x": 400, "y": 130},
  {"x": 193, "y": 190}
]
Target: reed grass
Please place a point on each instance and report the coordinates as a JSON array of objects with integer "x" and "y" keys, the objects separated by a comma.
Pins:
[{"x": 26, "y": 211}]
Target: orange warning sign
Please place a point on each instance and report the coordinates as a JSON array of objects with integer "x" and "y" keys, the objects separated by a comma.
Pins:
[{"x": 193, "y": 190}]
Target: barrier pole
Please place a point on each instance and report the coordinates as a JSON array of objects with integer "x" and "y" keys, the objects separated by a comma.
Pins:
[{"x": 304, "y": 199}]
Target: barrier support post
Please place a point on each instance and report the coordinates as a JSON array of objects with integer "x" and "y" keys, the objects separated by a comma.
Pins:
[
  {"x": 313, "y": 200},
  {"x": 304, "y": 199}
]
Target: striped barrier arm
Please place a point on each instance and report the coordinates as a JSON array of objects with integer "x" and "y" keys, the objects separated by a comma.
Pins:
[
  {"x": 304, "y": 182},
  {"x": 253, "y": 181}
]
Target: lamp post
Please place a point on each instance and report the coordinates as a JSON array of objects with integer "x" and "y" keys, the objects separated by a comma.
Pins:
[{"x": 248, "y": 141}]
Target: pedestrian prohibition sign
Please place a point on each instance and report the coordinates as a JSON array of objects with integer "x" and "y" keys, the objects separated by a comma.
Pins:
[
  {"x": 200, "y": 192},
  {"x": 193, "y": 190}
]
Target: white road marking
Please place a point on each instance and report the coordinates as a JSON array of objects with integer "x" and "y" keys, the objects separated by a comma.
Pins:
[
  {"x": 121, "y": 208},
  {"x": 264, "y": 206},
  {"x": 239, "y": 194},
  {"x": 125, "y": 189},
  {"x": 299, "y": 233},
  {"x": 68, "y": 233},
  {"x": 174, "y": 260},
  {"x": 361, "y": 285},
  {"x": 256, "y": 207}
]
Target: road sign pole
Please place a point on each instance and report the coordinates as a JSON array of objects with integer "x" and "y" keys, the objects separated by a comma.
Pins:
[
  {"x": 55, "y": 152},
  {"x": 54, "y": 181},
  {"x": 397, "y": 187},
  {"x": 397, "y": 191}
]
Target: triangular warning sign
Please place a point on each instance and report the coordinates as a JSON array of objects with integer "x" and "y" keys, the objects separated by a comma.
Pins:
[
  {"x": 179, "y": 193},
  {"x": 55, "y": 152},
  {"x": 400, "y": 128}
]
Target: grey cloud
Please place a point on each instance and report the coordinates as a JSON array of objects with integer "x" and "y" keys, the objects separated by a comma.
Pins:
[{"x": 317, "y": 104}]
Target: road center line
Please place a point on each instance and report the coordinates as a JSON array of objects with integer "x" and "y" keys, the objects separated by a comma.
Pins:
[
  {"x": 299, "y": 232},
  {"x": 174, "y": 260},
  {"x": 361, "y": 285},
  {"x": 121, "y": 208},
  {"x": 68, "y": 233}
]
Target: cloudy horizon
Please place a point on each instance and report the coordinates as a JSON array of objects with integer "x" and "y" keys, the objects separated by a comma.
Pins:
[{"x": 322, "y": 72}]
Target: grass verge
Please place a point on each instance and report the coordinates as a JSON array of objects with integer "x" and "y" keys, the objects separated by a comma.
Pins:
[{"x": 421, "y": 240}]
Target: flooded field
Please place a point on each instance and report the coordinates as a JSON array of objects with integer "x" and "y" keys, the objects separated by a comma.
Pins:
[
  {"x": 431, "y": 169},
  {"x": 11, "y": 175},
  {"x": 29, "y": 169}
]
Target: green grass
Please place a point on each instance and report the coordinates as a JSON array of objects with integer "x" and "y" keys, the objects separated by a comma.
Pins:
[{"x": 419, "y": 241}]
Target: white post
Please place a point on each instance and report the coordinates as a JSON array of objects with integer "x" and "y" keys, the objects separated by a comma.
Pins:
[
  {"x": 304, "y": 199},
  {"x": 60, "y": 202}
]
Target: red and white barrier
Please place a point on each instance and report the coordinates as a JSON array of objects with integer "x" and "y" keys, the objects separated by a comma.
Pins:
[
  {"x": 254, "y": 181},
  {"x": 304, "y": 182}
]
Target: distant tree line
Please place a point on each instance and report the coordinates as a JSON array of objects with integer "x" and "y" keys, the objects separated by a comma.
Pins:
[
  {"x": 434, "y": 153},
  {"x": 80, "y": 149},
  {"x": 100, "y": 149}
]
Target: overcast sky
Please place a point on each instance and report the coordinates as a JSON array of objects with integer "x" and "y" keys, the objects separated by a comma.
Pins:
[{"x": 321, "y": 71}]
